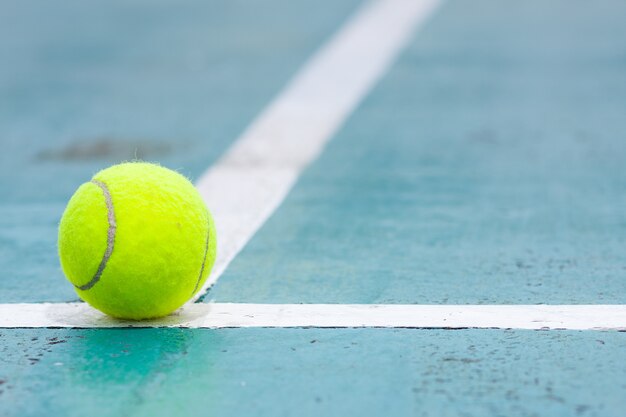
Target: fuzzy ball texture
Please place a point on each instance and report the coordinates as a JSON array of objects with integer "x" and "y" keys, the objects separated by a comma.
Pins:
[{"x": 137, "y": 241}]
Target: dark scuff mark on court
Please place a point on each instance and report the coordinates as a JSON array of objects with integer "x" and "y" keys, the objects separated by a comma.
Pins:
[
  {"x": 462, "y": 360},
  {"x": 107, "y": 148}
]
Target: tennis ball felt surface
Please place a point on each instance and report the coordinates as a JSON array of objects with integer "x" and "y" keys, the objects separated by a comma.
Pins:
[{"x": 137, "y": 241}]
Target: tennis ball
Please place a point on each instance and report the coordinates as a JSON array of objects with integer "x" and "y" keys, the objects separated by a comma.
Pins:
[{"x": 137, "y": 241}]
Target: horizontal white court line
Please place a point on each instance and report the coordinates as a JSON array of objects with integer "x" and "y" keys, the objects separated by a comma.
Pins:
[
  {"x": 227, "y": 315},
  {"x": 250, "y": 181}
]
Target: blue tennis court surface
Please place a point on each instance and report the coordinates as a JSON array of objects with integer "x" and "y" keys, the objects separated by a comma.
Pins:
[
  {"x": 313, "y": 372},
  {"x": 483, "y": 166}
]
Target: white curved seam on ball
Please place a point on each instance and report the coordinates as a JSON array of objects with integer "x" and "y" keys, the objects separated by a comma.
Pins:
[{"x": 110, "y": 236}]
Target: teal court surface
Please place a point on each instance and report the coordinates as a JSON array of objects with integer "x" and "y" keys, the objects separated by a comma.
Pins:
[{"x": 421, "y": 205}]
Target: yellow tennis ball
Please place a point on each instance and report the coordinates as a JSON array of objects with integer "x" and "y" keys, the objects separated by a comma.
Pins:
[{"x": 137, "y": 241}]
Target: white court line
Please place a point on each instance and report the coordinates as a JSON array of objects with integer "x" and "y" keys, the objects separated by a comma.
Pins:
[
  {"x": 250, "y": 181},
  {"x": 225, "y": 315}
]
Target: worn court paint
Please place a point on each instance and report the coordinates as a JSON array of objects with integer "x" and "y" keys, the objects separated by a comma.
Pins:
[
  {"x": 311, "y": 372},
  {"x": 83, "y": 86},
  {"x": 231, "y": 315},
  {"x": 253, "y": 177},
  {"x": 486, "y": 168}
]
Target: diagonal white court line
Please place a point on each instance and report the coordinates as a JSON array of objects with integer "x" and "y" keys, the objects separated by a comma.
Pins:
[
  {"x": 250, "y": 181},
  {"x": 227, "y": 315}
]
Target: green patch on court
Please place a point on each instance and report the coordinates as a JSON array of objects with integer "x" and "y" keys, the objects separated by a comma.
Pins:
[{"x": 310, "y": 372}]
